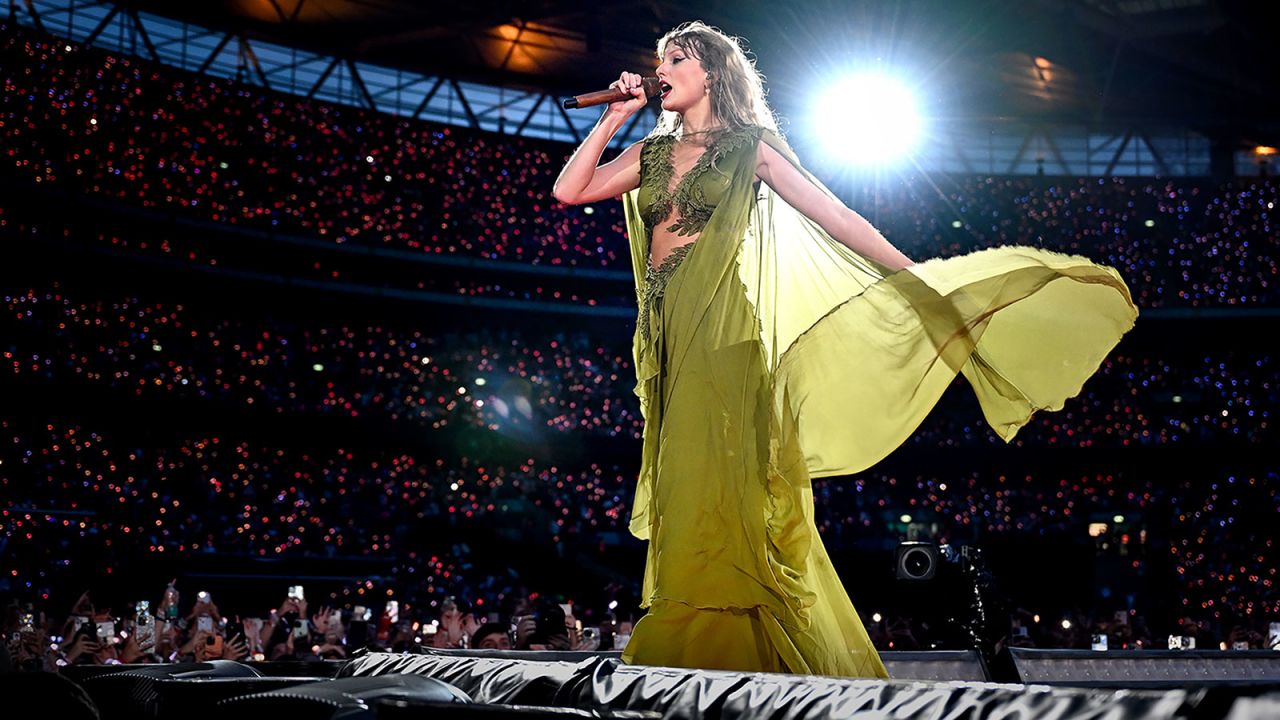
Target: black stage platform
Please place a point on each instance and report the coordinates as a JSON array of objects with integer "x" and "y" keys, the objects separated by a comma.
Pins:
[{"x": 1064, "y": 685}]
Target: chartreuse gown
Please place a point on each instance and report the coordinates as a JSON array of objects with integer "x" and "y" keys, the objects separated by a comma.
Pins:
[{"x": 768, "y": 354}]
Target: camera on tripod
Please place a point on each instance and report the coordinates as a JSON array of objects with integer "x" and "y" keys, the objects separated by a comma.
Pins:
[{"x": 918, "y": 561}]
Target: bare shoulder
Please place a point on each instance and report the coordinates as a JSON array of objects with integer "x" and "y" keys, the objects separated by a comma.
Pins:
[{"x": 768, "y": 159}]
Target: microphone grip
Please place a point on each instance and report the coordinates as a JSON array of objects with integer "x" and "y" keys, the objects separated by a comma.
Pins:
[{"x": 652, "y": 88}]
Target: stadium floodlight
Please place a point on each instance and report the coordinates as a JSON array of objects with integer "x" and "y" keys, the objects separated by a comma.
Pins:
[{"x": 868, "y": 119}]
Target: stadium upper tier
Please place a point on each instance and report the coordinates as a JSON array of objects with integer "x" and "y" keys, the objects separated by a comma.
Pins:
[
  {"x": 94, "y": 497},
  {"x": 109, "y": 127},
  {"x": 546, "y": 384}
]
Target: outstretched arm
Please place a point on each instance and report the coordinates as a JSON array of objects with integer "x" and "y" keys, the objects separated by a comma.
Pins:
[{"x": 845, "y": 225}]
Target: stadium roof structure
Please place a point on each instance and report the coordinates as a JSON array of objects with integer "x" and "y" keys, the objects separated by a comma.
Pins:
[
  {"x": 1204, "y": 64},
  {"x": 1059, "y": 87}
]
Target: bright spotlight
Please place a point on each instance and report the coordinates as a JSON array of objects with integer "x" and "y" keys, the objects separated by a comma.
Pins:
[{"x": 868, "y": 119}]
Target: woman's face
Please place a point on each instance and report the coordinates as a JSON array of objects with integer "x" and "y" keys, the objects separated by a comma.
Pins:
[{"x": 684, "y": 79}]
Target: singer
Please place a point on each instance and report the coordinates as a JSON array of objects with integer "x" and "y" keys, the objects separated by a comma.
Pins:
[{"x": 780, "y": 338}]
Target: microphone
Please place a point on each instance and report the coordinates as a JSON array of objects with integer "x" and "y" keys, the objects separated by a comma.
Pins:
[{"x": 652, "y": 89}]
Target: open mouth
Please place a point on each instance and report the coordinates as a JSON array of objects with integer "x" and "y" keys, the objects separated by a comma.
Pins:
[{"x": 666, "y": 88}]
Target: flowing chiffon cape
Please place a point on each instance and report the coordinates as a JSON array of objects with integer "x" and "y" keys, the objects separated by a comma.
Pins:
[{"x": 778, "y": 355}]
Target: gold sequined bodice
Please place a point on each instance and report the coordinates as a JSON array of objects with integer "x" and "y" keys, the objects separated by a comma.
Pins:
[{"x": 688, "y": 203}]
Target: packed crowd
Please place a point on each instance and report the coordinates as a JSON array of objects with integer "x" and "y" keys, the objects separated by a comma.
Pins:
[
  {"x": 123, "y": 128},
  {"x": 95, "y": 494},
  {"x": 1218, "y": 395},
  {"x": 176, "y": 631},
  {"x": 502, "y": 381},
  {"x": 566, "y": 382},
  {"x": 349, "y": 620},
  {"x": 1080, "y": 630},
  {"x": 1213, "y": 526},
  {"x": 93, "y": 500},
  {"x": 115, "y": 127},
  {"x": 1177, "y": 242}
]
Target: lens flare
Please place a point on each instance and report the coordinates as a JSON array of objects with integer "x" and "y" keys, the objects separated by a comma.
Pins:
[{"x": 868, "y": 119}]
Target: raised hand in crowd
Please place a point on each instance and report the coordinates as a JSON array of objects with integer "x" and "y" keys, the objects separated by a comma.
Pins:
[
  {"x": 129, "y": 652},
  {"x": 79, "y": 647},
  {"x": 524, "y": 625},
  {"x": 327, "y": 621},
  {"x": 195, "y": 644},
  {"x": 83, "y": 606},
  {"x": 235, "y": 649},
  {"x": 293, "y": 606},
  {"x": 204, "y": 607}
]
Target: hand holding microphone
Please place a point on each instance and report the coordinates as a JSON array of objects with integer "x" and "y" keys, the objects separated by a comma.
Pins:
[{"x": 627, "y": 94}]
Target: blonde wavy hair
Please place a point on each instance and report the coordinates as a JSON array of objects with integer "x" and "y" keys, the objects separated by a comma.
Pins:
[{"x": 737, "y": 87}]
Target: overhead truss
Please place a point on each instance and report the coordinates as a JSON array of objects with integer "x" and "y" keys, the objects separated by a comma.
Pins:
[
  {"x": 997, "y": 147},
  {"x": 253, "y": 61}
]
